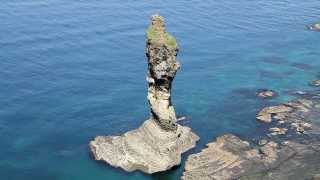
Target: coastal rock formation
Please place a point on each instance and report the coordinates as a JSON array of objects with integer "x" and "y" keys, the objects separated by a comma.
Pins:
[
  {"x": 162, "y": 67},
  {"x": 266, "y": 93},
  {"x": 157, "y": 145},
  {"x": 232, "y": 158},
  {"x": 291, "y": 152},
  {"x": 266, "y": 114}
]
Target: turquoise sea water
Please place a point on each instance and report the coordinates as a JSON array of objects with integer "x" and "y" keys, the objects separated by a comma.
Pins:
[{"x": 71, "y": 70}]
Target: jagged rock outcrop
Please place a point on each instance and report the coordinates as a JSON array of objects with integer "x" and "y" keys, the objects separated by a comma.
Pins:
[
  {"x": 157, "y": 145},
  {"x": 290, "y": 151}
]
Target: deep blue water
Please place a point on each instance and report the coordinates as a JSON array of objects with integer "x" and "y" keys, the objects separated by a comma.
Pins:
[{"x": 71, "y": 70}]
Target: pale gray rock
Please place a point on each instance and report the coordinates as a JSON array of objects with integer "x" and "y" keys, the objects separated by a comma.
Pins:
[
  {"x": 148, "y": 148},
  {"x": 158, "y": 143},
  {"x": 267, "y": 113}
]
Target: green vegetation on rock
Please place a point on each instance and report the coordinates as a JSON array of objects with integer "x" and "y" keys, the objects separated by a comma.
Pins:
[{"x": 156, "y": 36}]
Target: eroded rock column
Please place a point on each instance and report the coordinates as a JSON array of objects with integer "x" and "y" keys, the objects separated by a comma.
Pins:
[
  {"x": 161, "y": 51},
  {"x": 158, "y": 143}
]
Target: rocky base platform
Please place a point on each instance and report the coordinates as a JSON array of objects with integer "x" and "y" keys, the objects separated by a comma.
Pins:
[
  {"x": 293, "y": 153},
  {"x": 148, "y": 148}
]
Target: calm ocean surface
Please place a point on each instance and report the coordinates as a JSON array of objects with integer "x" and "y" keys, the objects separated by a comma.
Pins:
[{"x": 71, "y": 70}]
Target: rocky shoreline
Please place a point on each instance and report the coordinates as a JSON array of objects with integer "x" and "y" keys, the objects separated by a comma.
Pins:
[{"x": 290, "y": 151}]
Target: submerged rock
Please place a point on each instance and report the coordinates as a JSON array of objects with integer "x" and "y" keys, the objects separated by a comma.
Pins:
[
  {"x": 266, "y": 93},
  {"x": 158, "y": 144}
]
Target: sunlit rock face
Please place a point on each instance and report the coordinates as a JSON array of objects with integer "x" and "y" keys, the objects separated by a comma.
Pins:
[
  {"x": 162, "y": 68},
  {"x": 158, "y": 143}
]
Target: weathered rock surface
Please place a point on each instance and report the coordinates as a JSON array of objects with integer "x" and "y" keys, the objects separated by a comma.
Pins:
[
  {"x": 266, "y": 93},
  {"x": 266, "y": 114},
  {"x": 289, "y": 154},
  {"x": 148, "y": 148},
  {"x": 158, "y": 144},
  {"x": 163, "y": 66}
]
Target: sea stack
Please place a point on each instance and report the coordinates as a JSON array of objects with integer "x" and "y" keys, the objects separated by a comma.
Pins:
[
  {"x": 158, "y": 143},
  {"x": 162, "y": 67}
]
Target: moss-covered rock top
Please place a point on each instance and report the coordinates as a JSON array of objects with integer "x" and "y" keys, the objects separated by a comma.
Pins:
[{"x": 156, "y": 32}]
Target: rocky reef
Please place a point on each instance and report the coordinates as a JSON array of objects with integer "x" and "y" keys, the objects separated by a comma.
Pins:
[
  {"x": 158, "y": 143},
  {"x": 290, "y": 151}
]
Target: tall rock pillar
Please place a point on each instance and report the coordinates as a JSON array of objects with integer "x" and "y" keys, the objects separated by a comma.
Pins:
[
  {"x": 158, "y": 143},
  {"x": 161, "y": 51}
]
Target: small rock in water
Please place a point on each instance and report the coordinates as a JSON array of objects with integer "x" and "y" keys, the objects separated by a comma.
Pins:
[
  {"x": 266, "y": 93},
  {"x": 315, "y": 83},
  {"x": 266, "y": 114},
  {"x": 278, "y": 131},
  {"x": 300, "y": 92},
  {"x": 315, "y": 27},
  {"x": 301, "y": 127}
]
